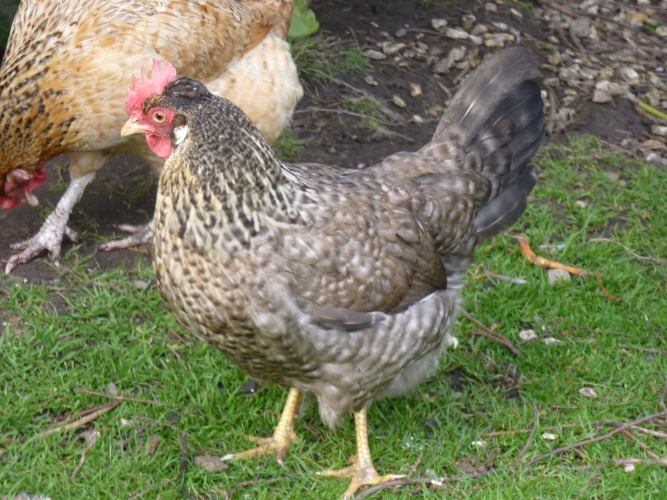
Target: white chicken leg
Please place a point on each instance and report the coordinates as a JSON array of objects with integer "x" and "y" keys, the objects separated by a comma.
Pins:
[
  {"x": 50, "y": 235},
  {"x": 142, "y": 233}
]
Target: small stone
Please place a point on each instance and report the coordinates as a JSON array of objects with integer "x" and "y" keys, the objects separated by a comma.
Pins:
[
  {"x": 555, "y": 58},
  {"x": 415, "y": 90},
  {"x": 660, "y": 130},
  {"x": 661, "y": 30},
  {"x": 398, "y": 101},
  {"x": 417, "y": 119},
  {"x": 390, "y": 49},
  {"x": 500, "y": 26},
  {"x": 249, "y": 387},
  {"x": 141, "y": 284},
  {"x": 656, "y": 159},
  {"x": 549, "y": 436},
  {"x": 580, "y": 27},
  {"x": 607, "y": 72},
  {"x": 612, "y": 176},
  {"x": 491, "y": 7},
  {"x": 173, "y": 417},
  {"x": 400, "y": 32},
  {"x": 649, "y": 358},
  {"x": 112, "y": 389},
  {"x": 527, "y": 335},
  {"x": 211, "y": 464},
  {"x": 478, "y": 30},
  {"x": 629, "y": 75},
  {"x": 497, "y": 39},
  {"x": 456, "y": 33},
  {"x": 552, "y": 82},
  {"x": 653, "y": 97},
  {"x": 581, "y": 203},
  {"x": 588, "y": 392},
  {"x": 371, "y": 81},
  {"x": 552, "y": 341},
  {"x": 374, "y": 54},
  {"x": 556, "y": 275},
  {"x": 516, "y": 13},
  {"x": 439, "y": 24},
  {"x": 467, "y": 21},
  {"x": 479, "y": 444},
  {"x": 126, "y": 423},
  {"x": 601, "y": 96}
]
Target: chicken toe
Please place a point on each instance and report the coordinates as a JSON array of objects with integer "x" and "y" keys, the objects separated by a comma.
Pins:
[
  {"x": 50, "y": 235},
  {"x": 363, "y": 471},
  {"x": 143, "y": 233},
  {"x": 49, "y": 238},
  {"x": 283, "y": 436}
]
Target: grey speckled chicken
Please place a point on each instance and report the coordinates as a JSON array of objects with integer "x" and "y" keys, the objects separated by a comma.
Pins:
[{"x": 343, "y": 285}]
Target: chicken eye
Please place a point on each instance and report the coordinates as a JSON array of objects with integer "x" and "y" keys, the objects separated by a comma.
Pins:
[{"x": 159, "y": 117}]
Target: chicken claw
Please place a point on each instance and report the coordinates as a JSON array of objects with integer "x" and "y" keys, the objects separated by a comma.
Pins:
[
  {"x": 50, "y": 235},
  {"x": 362, "y": 472},
  {"x": 283, "y": 436},
  {"x": 143, "y": 233}
]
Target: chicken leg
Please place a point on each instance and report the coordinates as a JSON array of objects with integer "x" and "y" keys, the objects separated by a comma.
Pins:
[
  {"x": 50, "y": 235},
  {"x": 141, "y": 233},
  {"x": 83, "y": 165},
  {"x": 362, "y": 472},
  {"x": 283, "y": 436}
]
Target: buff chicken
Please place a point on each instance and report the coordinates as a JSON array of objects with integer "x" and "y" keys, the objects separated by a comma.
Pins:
[
  {"x": 341, "y": 285},
  {"x": 63, "y": 79}
]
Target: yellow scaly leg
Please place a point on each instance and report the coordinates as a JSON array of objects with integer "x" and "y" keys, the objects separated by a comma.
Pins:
[
  {"x": 283, "y": 436},
  {"x": 362, "y": 472}
]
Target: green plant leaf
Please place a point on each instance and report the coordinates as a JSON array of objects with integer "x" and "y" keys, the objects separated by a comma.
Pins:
[{"x": 303, "y": 21}]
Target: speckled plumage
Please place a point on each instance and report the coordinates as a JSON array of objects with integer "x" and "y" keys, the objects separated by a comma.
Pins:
[
  {"x": 340, "y": 284},
  {"x": 68, "y": 63}
]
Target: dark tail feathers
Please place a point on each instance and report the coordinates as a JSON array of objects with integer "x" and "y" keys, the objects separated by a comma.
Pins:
[{"x": 497, "y": 117}]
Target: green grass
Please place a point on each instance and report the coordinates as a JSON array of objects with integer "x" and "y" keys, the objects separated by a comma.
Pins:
[
  {"x": 364, "y": 105},
  {"x": 88, "y": 329},
  {"x": 289, "y": 147},
  {"x": 321, "y": 58}
]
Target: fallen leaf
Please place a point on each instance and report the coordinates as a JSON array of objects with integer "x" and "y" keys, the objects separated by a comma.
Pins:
[
  {"x": 211, "y": 464},
  {"x": 588, "y": 392}
]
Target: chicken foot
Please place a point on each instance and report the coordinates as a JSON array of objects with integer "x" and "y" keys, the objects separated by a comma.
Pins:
[
  {"x": 363, "y": 471},
  {"x": 283, "y": 436},
  {"x": 142, "y": 233},
  {"x": 50, "y": 235}
]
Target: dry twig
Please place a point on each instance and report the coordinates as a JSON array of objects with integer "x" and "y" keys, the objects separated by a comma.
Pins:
[
  {"x": 183, "y": 442},
  {"x": 536, "y": 421},
  {"x": 664, "y": 395},
  {"x": 82, "y": 421},
  {"x": 488, "y": 333},
  {"x": 627, "y": 435},
  {"x": 580, "y": 444},
  {"x": 119, "y": 398},
  {"x": 421, "y": 480},
  {"x": 527, "y": 252},
  {"x": 91, "y": 438}
]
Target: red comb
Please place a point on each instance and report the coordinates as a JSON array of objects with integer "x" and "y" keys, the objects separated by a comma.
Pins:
[{"x": 155, "y": 85}]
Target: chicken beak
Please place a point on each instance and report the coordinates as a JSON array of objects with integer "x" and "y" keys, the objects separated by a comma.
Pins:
[
  {"x": 31, "y": 200},
  {"x": 132, "y": 127}
]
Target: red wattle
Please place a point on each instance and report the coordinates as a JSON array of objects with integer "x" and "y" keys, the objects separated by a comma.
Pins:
[
  {"x": 159, "y": 145},
  {"x": 15, "y": 191}
]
